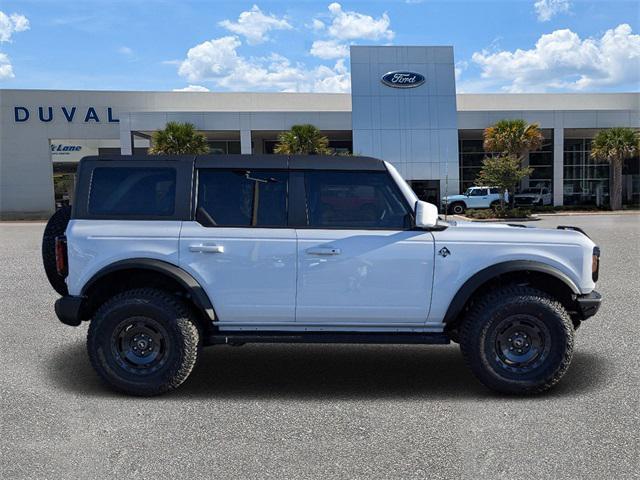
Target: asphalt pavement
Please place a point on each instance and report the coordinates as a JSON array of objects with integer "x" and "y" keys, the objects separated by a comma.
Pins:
[{"x": 315, "y": 411}]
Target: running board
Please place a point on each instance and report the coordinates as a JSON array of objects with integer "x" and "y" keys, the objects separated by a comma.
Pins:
[{"x": 239, "y": 338}]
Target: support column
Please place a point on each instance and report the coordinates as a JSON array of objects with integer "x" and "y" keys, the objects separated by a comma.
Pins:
[
  {"x": 126, "y": 137},
  {"x": 245, "y": 142},
  {"x": 558, "y": 166}
]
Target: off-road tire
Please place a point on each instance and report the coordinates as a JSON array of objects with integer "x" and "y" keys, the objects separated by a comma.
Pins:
[
  {"x": 56, "y": 226},
  {"x": 164, "y": 312},
  {"x": 457, "y": 208},
  {"x": 494, "y": 205},
  {"x": 484, "y": 354}
]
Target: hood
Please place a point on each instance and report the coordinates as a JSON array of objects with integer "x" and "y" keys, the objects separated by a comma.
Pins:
[{"x": 448, "y": 198}]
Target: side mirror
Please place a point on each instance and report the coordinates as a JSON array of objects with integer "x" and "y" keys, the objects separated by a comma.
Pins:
[{"x": 426, "y": 215}]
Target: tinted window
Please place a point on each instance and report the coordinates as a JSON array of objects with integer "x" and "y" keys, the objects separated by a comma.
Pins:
[
  {"x": 477, "y": 192},
  {"x": 494, "y": 191},
  {"x": 133, "y": 191},
  {"x": 242, "y": 198},
  {"x": 355, "y": 200}
]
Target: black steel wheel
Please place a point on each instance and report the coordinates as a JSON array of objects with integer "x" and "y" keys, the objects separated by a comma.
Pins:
[
  {"x": 144, "y": 342},
  {"x": 521, "y": 343},
  {"x": 517, "y": 340}
]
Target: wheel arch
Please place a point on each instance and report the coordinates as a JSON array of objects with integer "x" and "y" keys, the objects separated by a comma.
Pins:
[
  {"x": 131, "y": 273},
  {"x": 540, "y": 275}
]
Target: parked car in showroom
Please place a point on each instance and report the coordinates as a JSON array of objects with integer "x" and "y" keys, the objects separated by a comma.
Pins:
[
  {"x": 165, "y": 255},
  {"x": 536, "y": 196},
  {"x": 472, "y": 198}
]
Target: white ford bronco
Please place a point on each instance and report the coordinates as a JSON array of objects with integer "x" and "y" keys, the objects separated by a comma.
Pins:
[
  {"x": 165, "y": 255},
  {"x": 473, "y": 198}
]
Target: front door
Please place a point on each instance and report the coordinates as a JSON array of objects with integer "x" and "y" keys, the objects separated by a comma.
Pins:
[
  {"x": 359, "y": 263},
  {"x": 239, "y": 247}
]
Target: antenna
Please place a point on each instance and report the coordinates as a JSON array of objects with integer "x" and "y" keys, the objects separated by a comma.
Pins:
[{"x": 446, "y": 185}]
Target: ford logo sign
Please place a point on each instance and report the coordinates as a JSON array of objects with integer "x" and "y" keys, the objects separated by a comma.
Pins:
[{"x": 402, "y": 79}]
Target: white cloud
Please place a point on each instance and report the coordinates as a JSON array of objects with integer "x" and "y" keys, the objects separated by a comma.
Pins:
[
  {"x": 192, "y": 88},
  {"x": 561, "y": 60},
  {"x": 317, "y": 25},
  {"x": 10, "y": 24},
  {"x": 254, "y": 25},
  {"x": 125, "y": 51},
  {"x": 546, "y": 9},
  {"x": 328, "y": 49},
  {"x": 218, "y": 61},
  {"x": 6, "y": 70},
  {"x": 348, "y": 25},
  {"x": 460, "y": 67}
]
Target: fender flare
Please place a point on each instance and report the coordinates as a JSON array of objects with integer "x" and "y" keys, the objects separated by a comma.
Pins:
[
  {"x": 469, "y": 287},
  {"x": 190, "y": 284}
]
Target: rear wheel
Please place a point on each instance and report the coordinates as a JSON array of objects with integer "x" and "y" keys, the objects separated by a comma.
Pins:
[
  {"x": 495, "y": 204},
  {"x": 56, "y": 226},
  {"x": 457, "y": 208},
  {"x": 143, "y": 342},
  {"x": 518, "y": 340}
]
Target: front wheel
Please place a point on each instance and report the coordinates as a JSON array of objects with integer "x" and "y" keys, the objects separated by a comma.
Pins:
[
  {"x": 143, "y": 342},
  {"x": 517, "y": 340}
]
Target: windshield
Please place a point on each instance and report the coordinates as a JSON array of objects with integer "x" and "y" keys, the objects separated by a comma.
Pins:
[
  {"x": 475, "y": 192},
  {"x": 531, "y": 190}
]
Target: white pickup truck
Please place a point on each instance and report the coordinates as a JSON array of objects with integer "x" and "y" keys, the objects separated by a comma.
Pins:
[
  {"x": 163, "y": 255},
  {"x": 473, "y": 198}
]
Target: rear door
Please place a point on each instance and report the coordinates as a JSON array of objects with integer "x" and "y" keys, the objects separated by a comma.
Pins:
[
  {"x": 239, "y": 246},
  {"x": 360, "y": 265}
]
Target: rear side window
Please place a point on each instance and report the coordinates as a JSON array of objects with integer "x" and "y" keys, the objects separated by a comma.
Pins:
[
  {"x": 132, "y": 191},
  {"x": 242, "y": 198},
  {"x": 494, "y": 191},
  {"x": 355, "y": 200}
]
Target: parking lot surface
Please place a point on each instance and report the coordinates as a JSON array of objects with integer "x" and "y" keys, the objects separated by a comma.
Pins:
[{"x": 314, "y": 411}]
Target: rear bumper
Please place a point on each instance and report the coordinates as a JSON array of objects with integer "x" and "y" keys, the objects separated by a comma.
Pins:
[
  {"x": 68, "y": 310},
  {"x": 588, "y": 305}
]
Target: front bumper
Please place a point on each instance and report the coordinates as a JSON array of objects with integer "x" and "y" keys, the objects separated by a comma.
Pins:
[
  {"x": 68, "y": 309},
  {"x": 588, "y": 305}
]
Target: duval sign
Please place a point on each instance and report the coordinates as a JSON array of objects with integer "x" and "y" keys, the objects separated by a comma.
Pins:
[
  {"x": 66, "y": 113},
  {"x": 401, "y": 79}
]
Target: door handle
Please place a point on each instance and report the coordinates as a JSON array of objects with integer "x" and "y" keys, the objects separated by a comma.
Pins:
[
  {"x": 207, "y": 248},
  {"x": 323, "y": 251}
]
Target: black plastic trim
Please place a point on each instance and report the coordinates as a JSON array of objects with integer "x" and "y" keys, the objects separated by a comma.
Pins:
[
  {"x": 236, "y": 338},
  {"x": 68, "y": 309},
  {"x": 198, "y": 294},
  {"x": 480, "y": 278},
  {"x": 588, "y": 305}
]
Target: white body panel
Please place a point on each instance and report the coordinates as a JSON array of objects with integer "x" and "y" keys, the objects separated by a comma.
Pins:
[
  {"x": 360, "y": 277},
  {"x": 250, "y": 277},
  {"x": 95, "y": 244},
  {"x": 476, "y": 246}
]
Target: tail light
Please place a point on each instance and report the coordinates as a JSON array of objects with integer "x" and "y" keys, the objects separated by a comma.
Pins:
[
  {"x": 61, "y": 256},
  {"x": 595, "y": 263}
]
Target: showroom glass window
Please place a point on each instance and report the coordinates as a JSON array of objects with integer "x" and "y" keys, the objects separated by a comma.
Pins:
[
  {"x": 242, "y": 198},
  {"x": 355, "y": 200},
  {"x": 586, "y": 181},
  {"x": 131, "y": 191}
]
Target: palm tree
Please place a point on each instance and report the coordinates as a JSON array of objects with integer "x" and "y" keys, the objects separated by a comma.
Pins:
[
  {"x": 302, "y": 140},
  {"x": 513, "y": 138},
  {"x": 178, "y": 139},
  {"x": 615, "y": 145}
]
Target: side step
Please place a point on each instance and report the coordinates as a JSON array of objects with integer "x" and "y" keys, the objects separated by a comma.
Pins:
[{"x": 239, "y": 338}]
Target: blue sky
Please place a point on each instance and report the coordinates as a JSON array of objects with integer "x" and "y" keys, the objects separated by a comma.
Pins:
[{"x": 500, "y": 46}]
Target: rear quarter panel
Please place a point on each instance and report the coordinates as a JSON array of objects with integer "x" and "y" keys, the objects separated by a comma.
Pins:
[{"x": 95, "y": 244}]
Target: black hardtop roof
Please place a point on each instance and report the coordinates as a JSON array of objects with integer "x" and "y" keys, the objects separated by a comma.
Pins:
[{"x": 293, "y": 162}]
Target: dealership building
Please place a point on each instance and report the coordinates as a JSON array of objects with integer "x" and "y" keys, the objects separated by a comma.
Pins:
[{"x": 412, "y": 118}]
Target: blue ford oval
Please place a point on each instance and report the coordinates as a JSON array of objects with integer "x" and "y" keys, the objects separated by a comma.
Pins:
[{"x": 399, "y": 79}]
